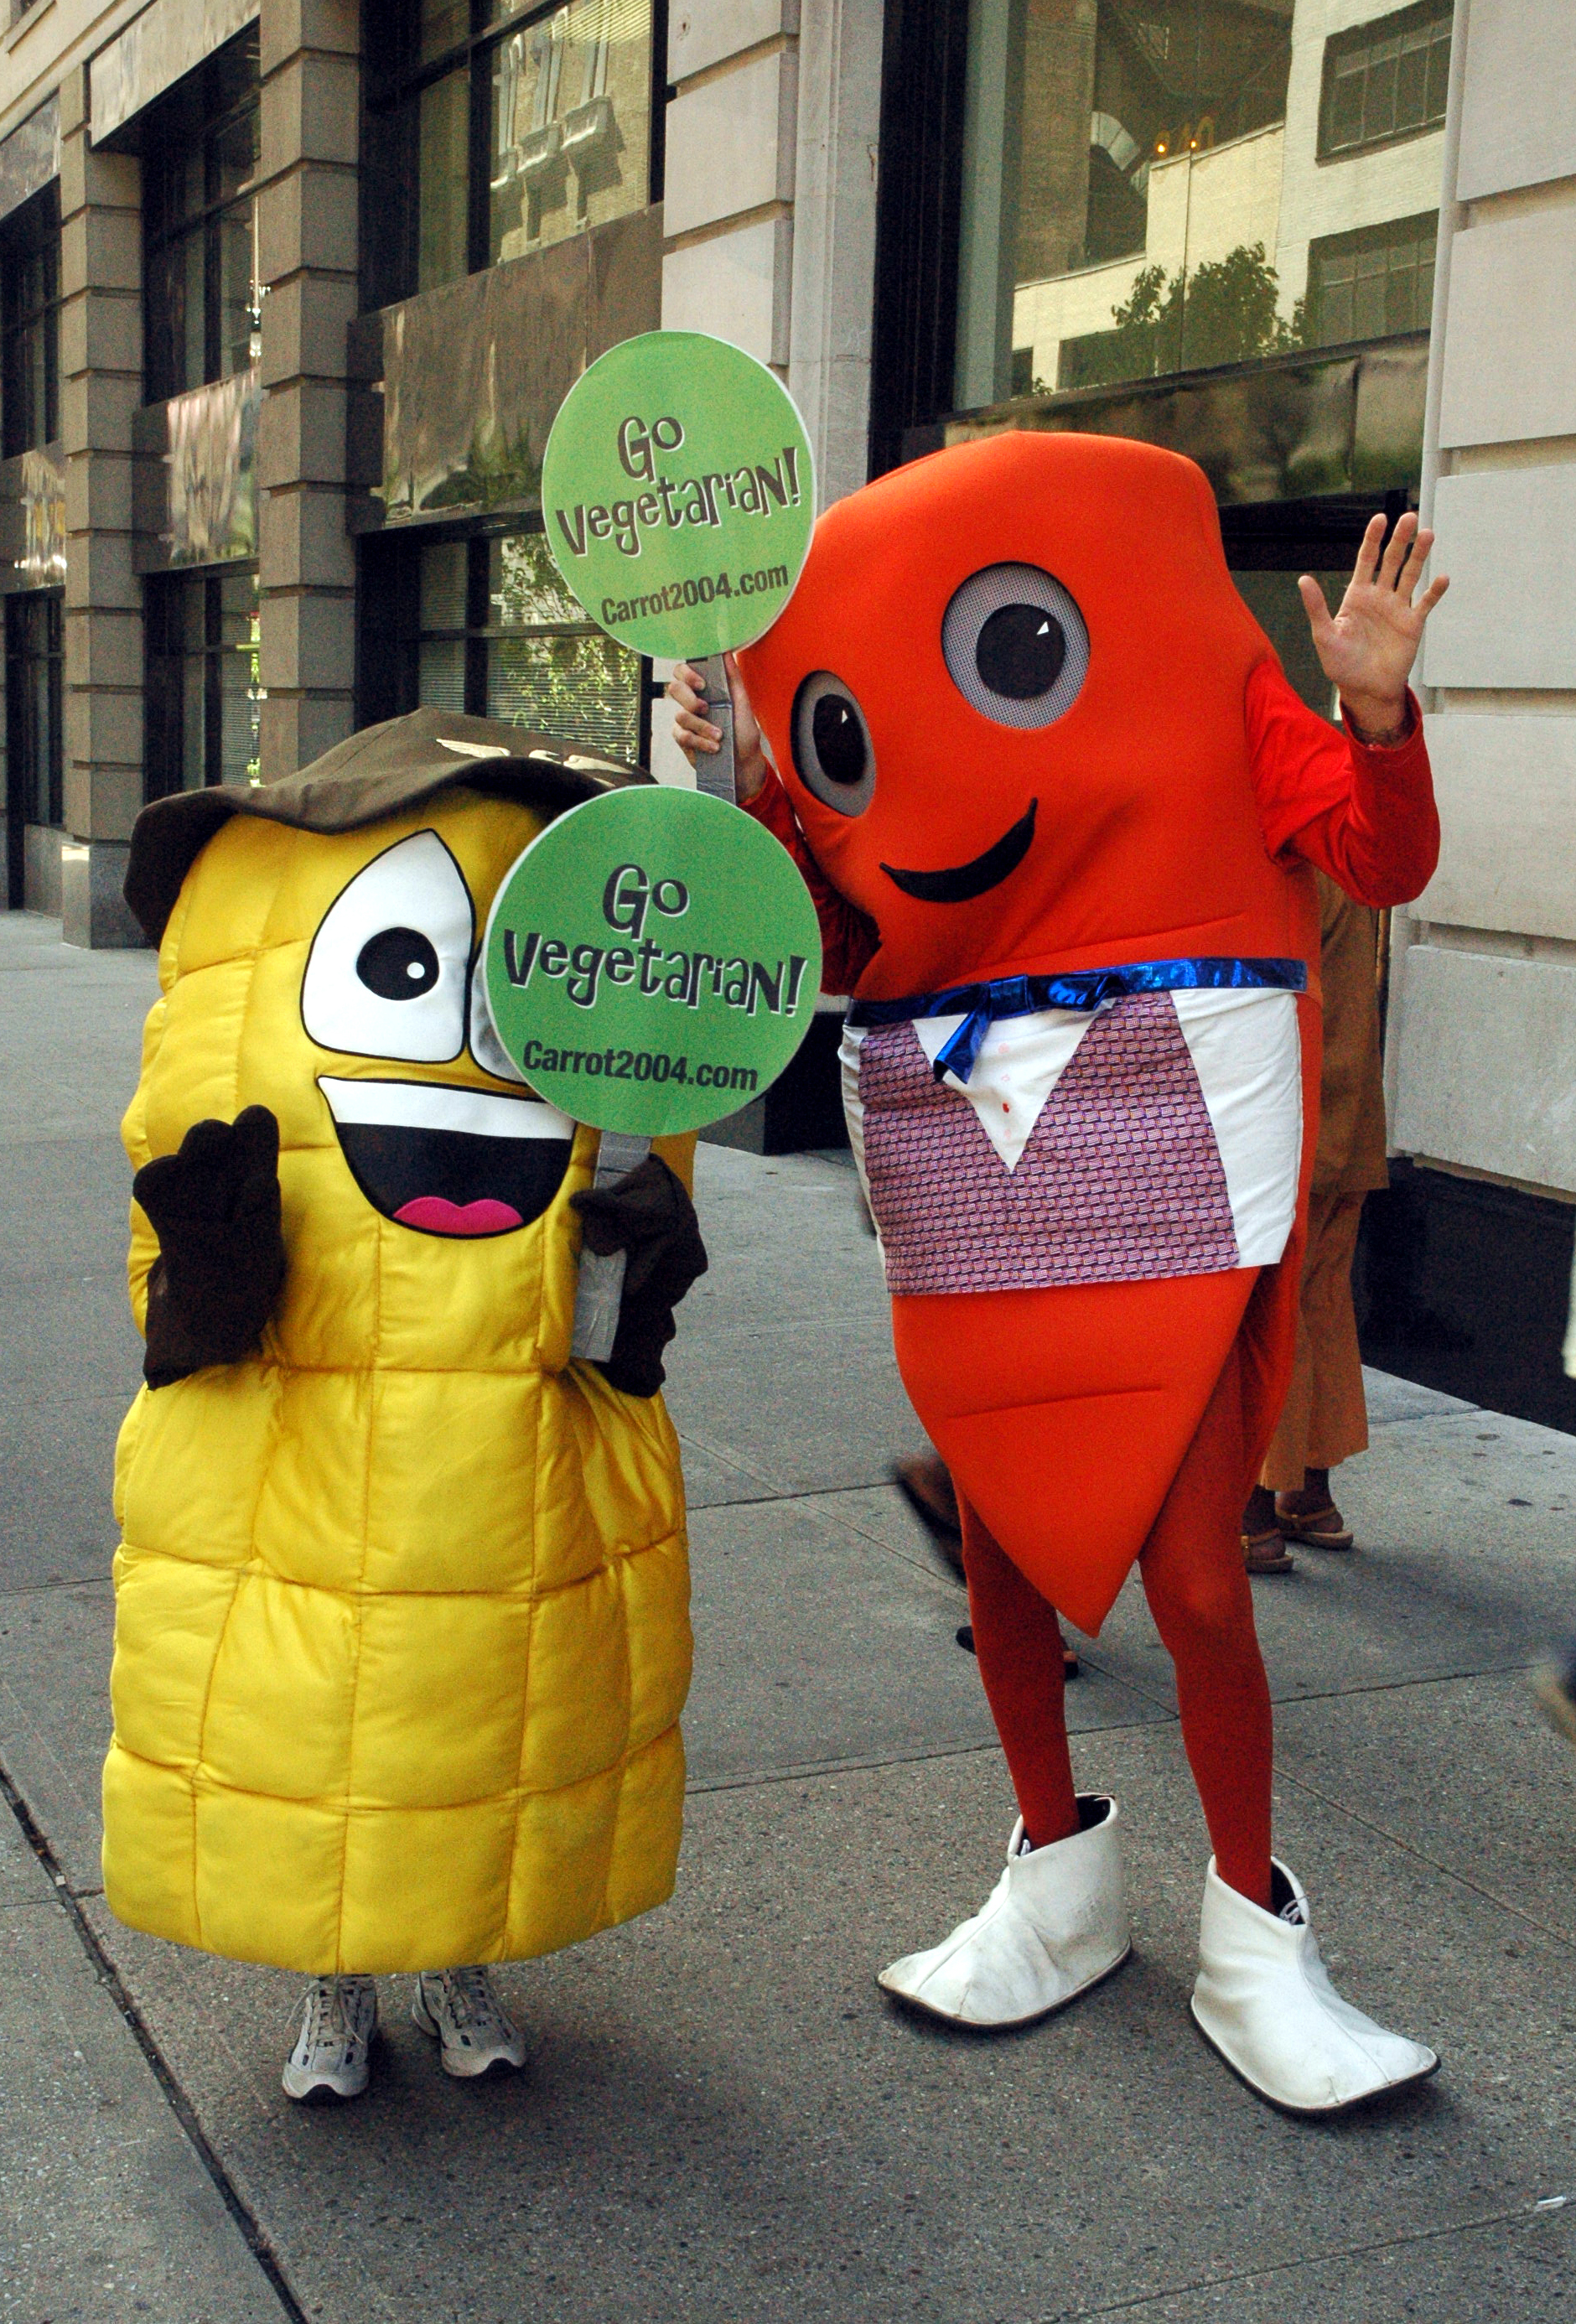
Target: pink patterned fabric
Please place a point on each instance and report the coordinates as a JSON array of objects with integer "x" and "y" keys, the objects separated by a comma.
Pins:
[{"x": 1121, "y": 1179}]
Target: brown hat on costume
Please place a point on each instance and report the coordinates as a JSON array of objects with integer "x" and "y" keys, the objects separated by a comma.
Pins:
[{"x": 384, "y": 771}]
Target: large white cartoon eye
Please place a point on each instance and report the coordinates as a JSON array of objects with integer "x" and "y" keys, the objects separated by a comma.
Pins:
[
  {"x": 1016, "y": 645},
  {"x": 833, "y": 752},
  {"x": 386, "y": 977}
]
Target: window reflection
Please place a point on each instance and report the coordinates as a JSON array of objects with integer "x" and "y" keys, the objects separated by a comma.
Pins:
[
  {"x": 1154, "y": 186},
  {"x": 498, "y": 635},
  {"x": 1387, "y": 80},
  {"x": 442, "y": 191},
  {"x": 571, "y": 107}
]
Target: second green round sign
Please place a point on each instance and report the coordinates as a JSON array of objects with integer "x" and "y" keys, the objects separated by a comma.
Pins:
[
  {"x": 677, "y": 494},
  {"x": 652, "y": 961}
]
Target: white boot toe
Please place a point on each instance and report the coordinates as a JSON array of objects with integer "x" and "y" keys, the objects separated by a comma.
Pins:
[
  {"x": 1054, "y": 1924},
  {"x": 1263, "y": 1999}
]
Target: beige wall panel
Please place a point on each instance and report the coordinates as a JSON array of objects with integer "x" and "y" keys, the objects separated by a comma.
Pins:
[
  {"x": 1487, "y": 1072},
  {"x": 1506, "y": 791},
  {"x": 1507, "y": 373},
  {"x": 730, "y": 145},
  {"x": 1510, "y": 617},
  {"x": 324, "y": 24},
  {"x": 735, "y": 286},
  {"x": 1518, "y": 124},
  {"x": 701, "y": 32}
]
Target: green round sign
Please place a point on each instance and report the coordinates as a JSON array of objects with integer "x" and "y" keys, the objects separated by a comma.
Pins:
[
  {"x": 652, "y": 961},
  {"x": 678, "y": 495}
]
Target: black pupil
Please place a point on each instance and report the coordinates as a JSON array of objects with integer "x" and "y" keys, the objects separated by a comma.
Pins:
[
  {"x": 1021, "y": 651},
  {"x": 397, "y": 964},
  {"x": 839, "y": 739}
]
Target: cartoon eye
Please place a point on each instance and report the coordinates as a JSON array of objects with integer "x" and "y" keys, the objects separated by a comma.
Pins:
[
  {"x": 398, "y": 963},
  {"x": 387, "y": 972},
  {"x": 1016, "y": 645},
  {"x": 832, "y": 744}
]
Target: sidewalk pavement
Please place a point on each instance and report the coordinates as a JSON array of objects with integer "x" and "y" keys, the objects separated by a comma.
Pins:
[{"x": 721, "y": 2119}]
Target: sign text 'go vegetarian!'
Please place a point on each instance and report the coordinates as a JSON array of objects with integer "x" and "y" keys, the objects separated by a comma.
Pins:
[
  {"x": 652, "y": 961},
  {"x": 678, "y": 495}
]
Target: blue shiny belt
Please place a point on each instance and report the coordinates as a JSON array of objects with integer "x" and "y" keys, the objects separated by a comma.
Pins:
[{"x": 1088, "y": 989}]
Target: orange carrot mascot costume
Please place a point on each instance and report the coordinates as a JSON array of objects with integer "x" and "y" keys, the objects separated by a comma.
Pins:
[{"x": 1059, "y": 808}]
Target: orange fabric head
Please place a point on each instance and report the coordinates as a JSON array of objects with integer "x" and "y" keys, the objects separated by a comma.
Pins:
[{"x": 1120, "y": 825}]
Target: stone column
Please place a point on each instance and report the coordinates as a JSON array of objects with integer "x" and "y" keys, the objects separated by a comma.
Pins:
[
  {"x": 309, "y": 244},
  {"x": 835, "y": 238},
  {"x": 728, "y": 207},
  {"x": 1481, "y": 1048},
  {"x": 101, "y": 386}
]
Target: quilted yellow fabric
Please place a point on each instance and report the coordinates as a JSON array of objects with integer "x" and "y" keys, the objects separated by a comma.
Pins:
[{"x": 401, "y": 1632}]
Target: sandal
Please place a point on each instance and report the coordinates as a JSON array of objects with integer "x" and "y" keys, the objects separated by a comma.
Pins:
[
  {"x": 1265, "y": 1553},
  {"x": 1325, "y": 1529}
]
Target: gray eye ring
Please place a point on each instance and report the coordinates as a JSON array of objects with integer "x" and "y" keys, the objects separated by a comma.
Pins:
[
  {"x": 833, "y": 755},
  {"x": 983, "y": 601}
]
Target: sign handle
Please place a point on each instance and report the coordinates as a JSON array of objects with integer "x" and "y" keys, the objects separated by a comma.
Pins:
[
  {"x": 602, "y": 1279},
  {"x": 602, "y": 1274},
  {"x": 716, "y": 773}
]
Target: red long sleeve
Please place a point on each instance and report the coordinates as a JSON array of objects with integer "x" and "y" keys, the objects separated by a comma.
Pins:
[
  {"x": 1362, "y": 813},
  {"x": 849, "y": 941}
]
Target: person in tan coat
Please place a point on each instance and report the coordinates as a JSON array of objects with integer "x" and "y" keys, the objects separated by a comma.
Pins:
[{"x": 1324, "y": 1419}]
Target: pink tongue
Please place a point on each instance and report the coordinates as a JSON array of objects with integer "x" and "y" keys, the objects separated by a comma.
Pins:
[{"x": 436, "y": 1215}]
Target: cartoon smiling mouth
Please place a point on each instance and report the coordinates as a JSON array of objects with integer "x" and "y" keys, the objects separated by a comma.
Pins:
[
  {"x": 963, "y": 881},
  {"x": 449, "y": 1161}
]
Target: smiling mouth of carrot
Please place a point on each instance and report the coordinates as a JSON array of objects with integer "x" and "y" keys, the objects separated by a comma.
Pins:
[{"x": 960, "y": 883}]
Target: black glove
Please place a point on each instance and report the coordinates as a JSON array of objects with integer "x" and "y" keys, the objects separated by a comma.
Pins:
[
  {"x": 648, "y": 1215},
  {"x": 215, "y": 1208}
]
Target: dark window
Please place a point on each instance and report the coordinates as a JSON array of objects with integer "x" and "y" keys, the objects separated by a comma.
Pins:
[
  {"x": 29, "y": 322},
  {"x": 1384, "y": 79},
  {"x": 201, "y": 291},
  {"x": 33, "y": 651},
  {"x": 493, "y": 130},
  {"x": 918, "y": 206},
  {"x": 486, "y": 626},
  {"x": 202, "y": 694},
  {"x": 1373, "y": 283}
]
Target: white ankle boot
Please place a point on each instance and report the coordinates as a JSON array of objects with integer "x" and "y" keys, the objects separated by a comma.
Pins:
[
  {"x": 1056, "y": 1924},
  {"x": 1264, "y": 2000}
]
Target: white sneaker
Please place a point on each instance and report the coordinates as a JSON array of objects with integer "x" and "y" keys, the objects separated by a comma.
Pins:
[
  {"x": 459, "y": 2007},
  {"x": 1264, "y": 2000},
  {"x": 1055, "y": 1923},
  {"x": 339, "y": 2017}
]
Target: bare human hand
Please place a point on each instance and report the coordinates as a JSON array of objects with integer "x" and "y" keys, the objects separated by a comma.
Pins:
[
  {"x": 694, "y": 733},
  {"x": 1367, "y": 649}
]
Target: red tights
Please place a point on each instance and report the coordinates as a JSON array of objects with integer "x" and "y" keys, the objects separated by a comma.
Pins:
[{"x": 1198, "y": 1593}]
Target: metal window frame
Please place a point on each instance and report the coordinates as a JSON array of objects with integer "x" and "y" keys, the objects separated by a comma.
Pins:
[
  {"x": 164, "y": 759},
  {"x": 1363, "y": 40},
  {"x": 39, "y": 784},
  {"x": 163, "y": 139},
  {"x": 1420, "y": 229},
  {"x": 32, "y": 231},
  {"x": 391, "y": 111},
  {"x": 388, "y": 649}
]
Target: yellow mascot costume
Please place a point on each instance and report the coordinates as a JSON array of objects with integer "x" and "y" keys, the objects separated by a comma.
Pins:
[{"x": 402, "y": 1631}]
